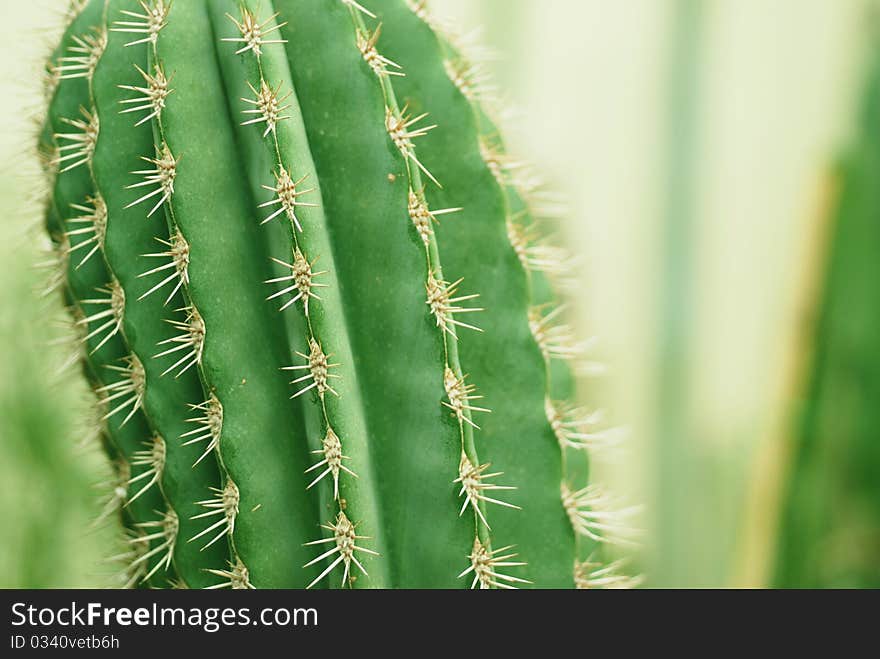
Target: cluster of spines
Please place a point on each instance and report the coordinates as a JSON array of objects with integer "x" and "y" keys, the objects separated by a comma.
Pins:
[
  {"x": 317, "y": 372},
  {"x": 113, "y": 489},
  {"x": 83, "y": 55},
  {"x": 164, "y": 531},
  {"x": 92, "y": 224},
  {"x": 222, "y": 505},
  {"x": 444, "y": 303},
  {"x": 184, "y": 348},
  {"x": 75, "y": 148},
  {"x": 590, "y": 574},
  {"x": 593, "y": 514}
]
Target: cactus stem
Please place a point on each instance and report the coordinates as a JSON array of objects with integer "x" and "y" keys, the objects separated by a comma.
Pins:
[
  {"x": 95, "y": 220},
  {"x": 236, "y": 577},
  {"x": 191, "y": 339},
  {"x": 331, "y": 450},
  {"x": 268, "y": 106},
  {"x": 209, "y": 428},
  {"x": 178, "y": 252},
  {"x": 152, "y": 97},
  {"x": 152, "y": 457},
  {"x": 473, "y": 486},
  {"x": 150, "y": 23},
  {"x": 444, "y": 304},
  {"x": 345, "y": 538},
  {"x": 485, "y": 564},
  {"x": 129, "y": 388},
  {"x": 163, "y": 176},
  {"x": 303, "y": 279},
  {"x": 267, "y": 85},
  {"x": 253, "y": 32},
  {"x": 81, "y": 145},
  {"x": 225, "y": 503}
]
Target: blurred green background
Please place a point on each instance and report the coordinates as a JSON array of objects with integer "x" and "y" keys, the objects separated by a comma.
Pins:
[{"x": 721, "y": 160}]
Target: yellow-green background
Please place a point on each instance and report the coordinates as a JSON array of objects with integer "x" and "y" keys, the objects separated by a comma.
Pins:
[{"x": 693, "y": 141}]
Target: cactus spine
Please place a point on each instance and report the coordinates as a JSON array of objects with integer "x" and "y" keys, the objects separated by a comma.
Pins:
[{"x": 298, "y": 358}]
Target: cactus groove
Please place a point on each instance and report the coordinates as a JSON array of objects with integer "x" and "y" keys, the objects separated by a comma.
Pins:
[{"x": 328, "y": 343}]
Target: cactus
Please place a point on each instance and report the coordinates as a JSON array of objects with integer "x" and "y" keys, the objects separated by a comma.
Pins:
[{"x": 328, "y": 346}]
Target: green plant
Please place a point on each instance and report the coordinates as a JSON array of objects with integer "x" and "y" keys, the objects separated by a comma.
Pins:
[
  {"x": 246, "y": 207},
  {"x": 829, "y": 528}
]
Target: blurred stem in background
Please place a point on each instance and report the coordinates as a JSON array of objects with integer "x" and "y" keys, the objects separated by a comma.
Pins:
[
  {"x": 759, "y": 534},
  {"x": 830, "y": 526},
  {"x": 678, "y": 477}
]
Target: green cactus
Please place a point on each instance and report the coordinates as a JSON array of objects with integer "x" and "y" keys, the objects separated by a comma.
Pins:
[{"x": 295, "y": 332}]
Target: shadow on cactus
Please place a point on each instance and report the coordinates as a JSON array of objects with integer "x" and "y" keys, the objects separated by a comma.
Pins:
[{"x": 325, "y": 335}]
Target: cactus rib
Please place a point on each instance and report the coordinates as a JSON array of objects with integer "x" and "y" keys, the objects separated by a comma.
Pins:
[
  {"x": 324, "y": 378},
  {"x": 116, "y": 374},
  {"x": 148, "y": 318},
  {"x": 402, "y": 130},
  {"x": 548, "y": 270}
]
